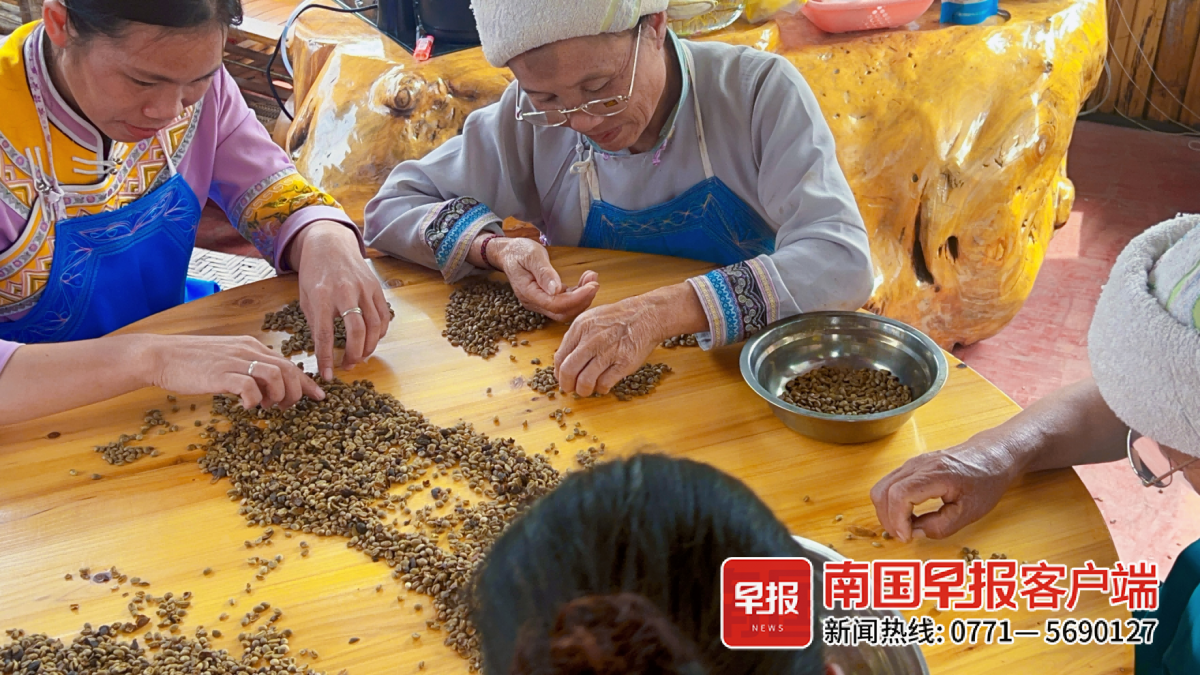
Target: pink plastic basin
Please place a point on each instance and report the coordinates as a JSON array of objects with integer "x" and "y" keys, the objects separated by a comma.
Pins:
[{"x": 845, "y": 16}]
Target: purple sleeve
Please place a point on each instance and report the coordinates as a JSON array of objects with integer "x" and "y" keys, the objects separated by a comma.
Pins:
[
  {"x": 6, "y": 351},
  {"x": 257, "y": 185}
]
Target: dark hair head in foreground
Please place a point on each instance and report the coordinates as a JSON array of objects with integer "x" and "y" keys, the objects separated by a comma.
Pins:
[{"x": 618, "y": 571}]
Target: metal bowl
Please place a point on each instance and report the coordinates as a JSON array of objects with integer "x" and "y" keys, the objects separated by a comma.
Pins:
[
  {"x": 848, "y": 340},
  {"x": 865, "y": 659}
]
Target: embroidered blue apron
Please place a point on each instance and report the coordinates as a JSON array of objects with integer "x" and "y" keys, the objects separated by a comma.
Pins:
[
  {"x": 114, "y": 268},
  {"x": 708, "y": 222}
]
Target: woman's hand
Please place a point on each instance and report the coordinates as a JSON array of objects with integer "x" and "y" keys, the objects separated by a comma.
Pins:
[
  {"x": 536, "y": 283},
  {"x": 970, "y": 479},
  {"x": 607, "y": 343},
  {"x": 1071, "y": 426},
  {"x": 188, "y": 364},
  {"x": 334, "y": 279},
  {"x": 44, "y": 379}
]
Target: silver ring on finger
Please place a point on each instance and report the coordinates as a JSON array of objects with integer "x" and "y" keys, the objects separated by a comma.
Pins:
[
  {"x": 352, "y": 310},
  {"x": 251, "y": 371}
]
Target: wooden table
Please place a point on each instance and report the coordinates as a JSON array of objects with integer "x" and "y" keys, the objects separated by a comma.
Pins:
[{"x": 162, "y": 519}]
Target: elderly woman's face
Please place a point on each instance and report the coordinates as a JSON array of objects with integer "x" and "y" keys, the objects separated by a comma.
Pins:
[{"x": 570, "y": 73}]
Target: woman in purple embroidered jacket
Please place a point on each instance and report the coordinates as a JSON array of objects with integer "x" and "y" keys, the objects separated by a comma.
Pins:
[
  {"x": 118, "y": 122},
  {"x": 616, "y": 134}
]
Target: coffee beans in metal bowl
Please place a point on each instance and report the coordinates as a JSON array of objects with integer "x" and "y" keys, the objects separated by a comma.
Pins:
[
  {"x": 482, "y": 313},
  {"x": 845, "y": 391}
]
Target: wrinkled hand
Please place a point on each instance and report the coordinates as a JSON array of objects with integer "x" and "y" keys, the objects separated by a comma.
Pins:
[
  {"x": 969, "y": 479},
  {"x": 334, "y": 278},
  {"x": 606, "y": 344},
  {"x": 536, "y": 283},
  {"x": 189, "y": 364}
]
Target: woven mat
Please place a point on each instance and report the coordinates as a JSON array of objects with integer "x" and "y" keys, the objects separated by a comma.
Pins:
[{"x": 229, "y": 271}]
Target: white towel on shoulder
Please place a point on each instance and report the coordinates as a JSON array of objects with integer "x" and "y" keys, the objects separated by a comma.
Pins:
[
  {"x": 508, "y": 28},
  {"x": 1143, "y": 346}
]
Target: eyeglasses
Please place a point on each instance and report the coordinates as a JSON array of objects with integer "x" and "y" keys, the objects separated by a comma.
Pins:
[
  {"x": 1152, "y": 466},
  {"x": 603, "y": 107}
]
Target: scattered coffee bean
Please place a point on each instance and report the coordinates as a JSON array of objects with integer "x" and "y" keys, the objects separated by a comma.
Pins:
[{"x": 286, "y": 467}]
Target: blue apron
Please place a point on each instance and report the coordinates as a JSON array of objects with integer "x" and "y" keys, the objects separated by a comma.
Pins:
[
  {"x": 113, "y": 268},
  {"x": 708, "y": 222}
]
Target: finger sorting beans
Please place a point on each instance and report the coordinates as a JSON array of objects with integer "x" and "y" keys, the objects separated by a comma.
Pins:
[
  {"x": 291, "y": 320},
  {"x": 641, "y": 383}
]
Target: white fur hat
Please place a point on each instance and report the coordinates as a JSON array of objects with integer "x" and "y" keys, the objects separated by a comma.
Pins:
[
  {"x": 508, "y": 28},
  {"x": 1143, "y": 343}
]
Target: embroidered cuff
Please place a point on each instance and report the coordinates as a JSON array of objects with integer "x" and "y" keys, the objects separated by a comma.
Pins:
[
  {"x": 450, "y": 229},
  {"x": 738, "y": 300},
  {"x": 265, "y": 207}
]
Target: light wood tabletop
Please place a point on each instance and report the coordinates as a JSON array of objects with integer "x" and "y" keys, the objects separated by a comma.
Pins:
[{"x": 162, "y": 519}]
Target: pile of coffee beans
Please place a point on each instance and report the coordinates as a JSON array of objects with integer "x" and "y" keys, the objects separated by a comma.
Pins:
[
  {"x": 544, "y": 381},
  {"x": 845, "y": 391},
  {"x": 119, "y": 452},
  {"x": 641, "y": 383},
  {"x": 588, "y": 458},
  {"x": 99, "y": 650},
  {"x": 328, "y": 468},
  {"x": 688, "y": 340},
  {"x": 482, "y": 313}
]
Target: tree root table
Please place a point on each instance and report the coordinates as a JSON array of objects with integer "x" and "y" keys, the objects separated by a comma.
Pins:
[
  {"x": 954, "y": 139},
  {"x": 162, "y": 519}
]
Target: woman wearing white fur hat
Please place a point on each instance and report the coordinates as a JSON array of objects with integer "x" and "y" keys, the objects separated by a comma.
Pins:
[
  {"x": 1143, "y": 347},
  {"x": 616, "y": 134}
]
